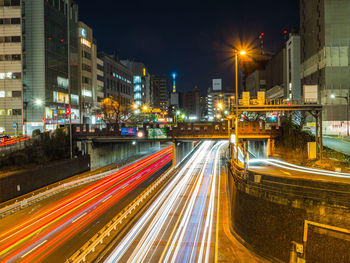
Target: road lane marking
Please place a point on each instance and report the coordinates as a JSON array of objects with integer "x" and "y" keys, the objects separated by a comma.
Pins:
[
  {"x": 30, "y": 251},
  {"x": 75, "y": 220},
  {"x": 106, "y": 199},
  {"x": 285, "y": 172}
]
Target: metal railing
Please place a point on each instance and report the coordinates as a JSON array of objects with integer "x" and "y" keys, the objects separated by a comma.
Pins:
[{"x": 118, "y": 222}]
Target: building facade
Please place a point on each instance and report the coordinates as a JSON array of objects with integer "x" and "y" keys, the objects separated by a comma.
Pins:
[
  {"x": 293, "y": 91},
  {"x": 118, "y": 80},
  {"x": 11, "y": 89},
  {"x": 160, "y": 94},
  {"x": 325, "y": 43},
  {"x": 142, "y": 82},
  {"x": 276, "y": 74},
  {"x": 50, "y": 63},
  {"x": 87, "y": 56},
  {"x": 256, "y": 82},
  {"x": 191, "y": 104}
]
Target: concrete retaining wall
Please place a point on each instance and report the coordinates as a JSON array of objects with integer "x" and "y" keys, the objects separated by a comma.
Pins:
[
  {"x": 182, "y": 148},
  {"x": 107, "y": 153},
  {"x": 24, "y": 181},
  {"x": 277, "y": 216}
]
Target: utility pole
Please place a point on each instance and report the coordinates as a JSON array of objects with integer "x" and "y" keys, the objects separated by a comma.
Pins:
[{"x": 69, "y": 83}]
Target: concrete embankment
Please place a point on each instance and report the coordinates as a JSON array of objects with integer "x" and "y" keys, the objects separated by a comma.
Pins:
[
  {"x": 20, "y": 182},
  {"x": 292, "y": 219}
]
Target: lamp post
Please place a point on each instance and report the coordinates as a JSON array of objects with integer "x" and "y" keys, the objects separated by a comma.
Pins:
[
  {"x": 242, "y": 53},
  {"x": 347, "y": 98}
]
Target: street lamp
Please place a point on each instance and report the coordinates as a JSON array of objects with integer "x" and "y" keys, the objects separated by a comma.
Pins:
[
  {"x": 38, "y": 102},
  {"x": 347, "y": 98},
  {"x": 241, "y": 53},
  {"x": 220, "y": 106}
]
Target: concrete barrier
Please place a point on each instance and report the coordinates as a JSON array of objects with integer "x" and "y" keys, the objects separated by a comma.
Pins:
[
  {"x": 20, "y": 182},
  {"x": 107, "y": 153},
  {"x": 292, "y": 220}
]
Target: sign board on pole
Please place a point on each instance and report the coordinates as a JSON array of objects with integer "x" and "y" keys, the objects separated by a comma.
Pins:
[
  {"x": 246, "y": 97},
  {"x": 157, "y": 133},
  {"x": 128, "y": 131},
  {"x": 14, "y": 124},
  {"x": 310, "y": 94},
  {"x": 217, "y": 84},
  {"x": 261, "y": 97}
]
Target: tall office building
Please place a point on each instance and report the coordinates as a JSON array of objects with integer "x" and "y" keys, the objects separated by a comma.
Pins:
[
  {"x": 293, "y": 91},
  {"x": 191, "y": 104},
  {"x": 118, "y": 80},
  {"x": 10, "y": 67},
  {"x": 87, "y": 56},
  {"x": 142, "y": 82},
  {"x": 160, "y": 95},
  {"x": 48, "y": 75},
  {"x": 325, "y": 42}
]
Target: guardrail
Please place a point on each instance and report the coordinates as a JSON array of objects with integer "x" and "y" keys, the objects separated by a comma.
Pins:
[
  {"x": 18, "y": 205},
  {"x": 119, "y": 221},
  {"x": 10, "y": 209}
]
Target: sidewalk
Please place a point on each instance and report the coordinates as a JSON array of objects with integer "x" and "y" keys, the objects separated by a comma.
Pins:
[
  {"x": 230, "y": 249},
  {"x": 337, "y": 144}
]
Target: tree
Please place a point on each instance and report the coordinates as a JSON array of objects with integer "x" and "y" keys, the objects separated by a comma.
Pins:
[{"x": 113, "y": 111}]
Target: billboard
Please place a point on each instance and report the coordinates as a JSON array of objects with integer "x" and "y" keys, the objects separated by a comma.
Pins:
[
  {"x": 310, "y": 94},
  {"x": 128, "y": 131},
  {"x": 217, "y": 84},
  {"x": 156, "y": 133}
]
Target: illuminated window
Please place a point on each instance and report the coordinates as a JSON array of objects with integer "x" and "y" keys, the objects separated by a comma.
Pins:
[
  {"x": 2, "y": 94},
  {"x": 87, "y": 93},
  {"x": 85, "y": 42}
]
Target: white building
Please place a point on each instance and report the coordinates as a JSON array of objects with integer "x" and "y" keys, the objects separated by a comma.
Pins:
[
  {"x": 11, "y": 90},
  {"x": 293, "y": 67}
]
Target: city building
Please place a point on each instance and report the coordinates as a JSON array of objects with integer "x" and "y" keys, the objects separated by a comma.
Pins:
[
  {"x": 293, "y": 91},
  {"x": 218, "y": 100},
  {"x": 256, "y": 82},
  {"x": 276, "y": 75},
  {"x": 11, "y": 87},
  {"x": 191, "y": 104},
  {"x": 97, "y": 84},
  {"x": 48, "y": 78},
  {"x": 118, "y": 80},
  {"x": 204, "y": 108},
  {"x": 325, "y": 41},
  {"x": 87, "y": 56},
  {"x": 142, "y": 82},
  {"x": 160, "y": 94}
]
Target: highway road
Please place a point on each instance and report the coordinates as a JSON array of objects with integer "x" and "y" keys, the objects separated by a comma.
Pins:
[
  {"x": 180, "y": 225},
  {"x": 56, "y": 230},
  {"x": 337, "y": 145},
  {"x": 276, "y": 167}
]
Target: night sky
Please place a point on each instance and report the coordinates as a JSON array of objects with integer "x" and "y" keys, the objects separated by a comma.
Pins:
[{"x": 193, "y": 38}]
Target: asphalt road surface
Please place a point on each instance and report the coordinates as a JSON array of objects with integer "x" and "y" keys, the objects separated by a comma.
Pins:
[{"x": 54, "y": 229}]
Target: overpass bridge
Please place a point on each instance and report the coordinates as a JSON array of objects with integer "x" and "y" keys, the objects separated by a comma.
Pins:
[{"x": 170, "y": 132}]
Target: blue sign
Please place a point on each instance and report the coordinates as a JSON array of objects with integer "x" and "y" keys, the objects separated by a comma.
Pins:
[
  {"x": 128, "y": 131},
  {"x": 15, "y": 125}
]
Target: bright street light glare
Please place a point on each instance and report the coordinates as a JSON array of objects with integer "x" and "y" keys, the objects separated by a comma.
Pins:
[
  {"x": 38, "y": 102},
  {"x": 242, "y": 52},
  {"x": 332, "y": 96}
]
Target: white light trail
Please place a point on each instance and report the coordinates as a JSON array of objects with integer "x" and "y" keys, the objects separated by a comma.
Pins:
[
  {"x": 167, "y": 197},
  {"x": 298, "y": 168}
]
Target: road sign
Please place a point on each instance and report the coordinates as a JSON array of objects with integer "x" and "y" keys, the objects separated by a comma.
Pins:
[{"x": 14, "y": 124}]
